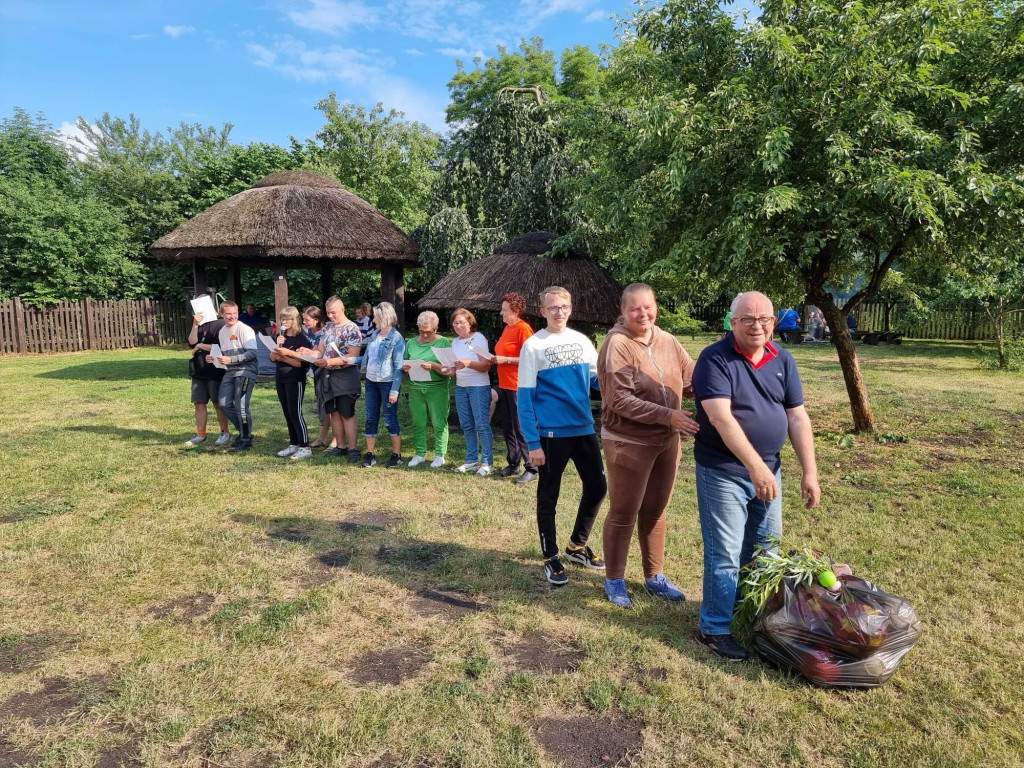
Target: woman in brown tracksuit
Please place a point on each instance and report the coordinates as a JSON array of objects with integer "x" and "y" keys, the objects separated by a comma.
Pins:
[{"x": 644, "y": 373}]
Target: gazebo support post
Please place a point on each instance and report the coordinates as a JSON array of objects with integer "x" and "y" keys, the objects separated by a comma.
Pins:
[
  {"x": 326, "y": 283},
  {"x": 199, "y": 277},
  {"x": 280, "y": 290},
  {"x": 235, "y": 283},
  {"x": 392, "y": 289}
]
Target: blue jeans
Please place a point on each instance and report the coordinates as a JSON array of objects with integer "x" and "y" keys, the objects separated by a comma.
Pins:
[
  {"x": 733, "y": 521},
  {"x": 376, "y": 395},
  {"x": 474, "y": 407}
]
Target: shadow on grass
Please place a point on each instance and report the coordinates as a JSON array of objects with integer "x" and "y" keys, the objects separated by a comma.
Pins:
[
  {"x": 372, "y": 547},
  {"x": 121, "y": 433},
  {"x": 122, "y": 370}
]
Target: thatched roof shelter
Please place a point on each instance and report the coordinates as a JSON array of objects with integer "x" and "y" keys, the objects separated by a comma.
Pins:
[
  {"x": 521, "y": 266},
  {"x": 292, "y": 220}
]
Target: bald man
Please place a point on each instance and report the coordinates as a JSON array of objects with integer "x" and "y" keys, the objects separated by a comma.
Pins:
[{"x": 749, "y": 398}]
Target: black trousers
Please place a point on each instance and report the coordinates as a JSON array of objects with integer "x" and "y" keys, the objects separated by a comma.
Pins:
[
  {"x": 585, "y": 453},
  {"x": 515, "y": 443},
  {"x": 290, "y": 394}
]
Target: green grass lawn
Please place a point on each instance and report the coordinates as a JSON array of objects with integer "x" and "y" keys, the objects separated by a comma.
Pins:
[{"x": 193, "y": 608}]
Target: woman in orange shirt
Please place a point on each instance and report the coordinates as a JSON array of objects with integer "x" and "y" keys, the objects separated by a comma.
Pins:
[{"x": 506, "y": 355}]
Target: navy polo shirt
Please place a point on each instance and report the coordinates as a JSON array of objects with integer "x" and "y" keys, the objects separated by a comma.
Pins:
[{"x": 759, "y": 396}]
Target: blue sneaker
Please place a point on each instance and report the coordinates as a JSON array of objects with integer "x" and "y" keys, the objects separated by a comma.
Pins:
[
  {"x": 617, "y": 594},
  {"x": 662, "y": 587}
]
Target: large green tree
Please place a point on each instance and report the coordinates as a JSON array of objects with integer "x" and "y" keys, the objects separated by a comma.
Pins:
[
  {"x": 379, "y": 155},
  {"x": 58, "y": 239},
  {"x": 819, "y": 146}
]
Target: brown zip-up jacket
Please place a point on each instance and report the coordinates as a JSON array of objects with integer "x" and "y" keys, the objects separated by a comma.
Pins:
[{"x": 641, "y": 384}]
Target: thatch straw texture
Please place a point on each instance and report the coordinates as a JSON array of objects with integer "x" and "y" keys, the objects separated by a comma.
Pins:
[
  {"x": 519, "y": 266},
  {"x": 290, "y": 215}
]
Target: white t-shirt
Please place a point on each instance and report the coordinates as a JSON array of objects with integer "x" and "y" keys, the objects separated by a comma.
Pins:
[{"x": 467, "y": 377}]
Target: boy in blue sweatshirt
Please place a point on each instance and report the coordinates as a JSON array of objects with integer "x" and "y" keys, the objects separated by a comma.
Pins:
[{"x": 557, "y": 368}]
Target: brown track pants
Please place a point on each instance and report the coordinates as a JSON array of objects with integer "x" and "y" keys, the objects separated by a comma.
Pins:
[{"x": 640, "y": 483}]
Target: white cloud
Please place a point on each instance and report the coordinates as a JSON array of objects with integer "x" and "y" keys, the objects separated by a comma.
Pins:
[
  {"x": 144, "y": 36},
  {"x": 74, "y": 138},
  {"x": 178, "y": 31},
  {"x": 597, "y": 15},
  {"x": 413, "y": 52},
  {"x": 460, "y": 53},
  {"x": 334, "y": 16},
  {"x": 368, "y": 77},
  {"x": 542, "y": 9}
]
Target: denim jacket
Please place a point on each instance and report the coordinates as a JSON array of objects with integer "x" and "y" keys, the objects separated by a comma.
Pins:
[{"x": 382, "y": 360}]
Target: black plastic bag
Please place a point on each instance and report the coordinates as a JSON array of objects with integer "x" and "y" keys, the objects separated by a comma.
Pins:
[{"x": 855, "y": 637}]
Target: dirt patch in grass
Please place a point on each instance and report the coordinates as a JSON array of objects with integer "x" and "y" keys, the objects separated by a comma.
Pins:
[
  {"x": 20, "y": 653},
  {"x": 57, "y": 697},
  {"x": 391, "y": 666},
  {"x": 417, "y": 557},
  {"x": 587, "y": 741},
  {"x": 376, "y": 520},
  {"x": 970, "y": 439},
  {"x": 11, "y": 756},
  {"x": 292, "y": 533},
  {"x": 540, "y": 653},
  {"x": 450, "y": 605},
  {"x": 336, "y": 558},
  {"x": 123, "y": 756},
  {"x": 183, "y": 609},
  {"x": 8, "y": 519}
]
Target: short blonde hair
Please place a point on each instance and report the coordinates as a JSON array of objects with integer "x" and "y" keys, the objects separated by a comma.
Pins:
[
  {"x": 554, "y": 290},
  {"x": 335, "y": 300},
  {"x": 427, "y": 317},
  {"x": 632, "y": 288},
  {"x": 292, "y": 315},
  {"x": 384, "y": 315}
]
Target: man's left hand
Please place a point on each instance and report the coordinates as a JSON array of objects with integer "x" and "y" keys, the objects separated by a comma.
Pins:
[
  {"x": 810, "y": 491},
  {"x": 393, "y": 398}
]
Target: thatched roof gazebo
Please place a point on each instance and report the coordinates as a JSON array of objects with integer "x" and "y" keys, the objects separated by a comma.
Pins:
[
  {"x": 292, "y": 220},
  {"x": 521, "y": 266}
]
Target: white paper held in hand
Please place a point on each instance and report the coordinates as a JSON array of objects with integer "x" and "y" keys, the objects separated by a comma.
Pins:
[
  {"x": 444, "y": 356},
  {"x": 417, "y": 372},
  {"x": 203, "y": 305},
  {"x": 268, "y": 342},
  {"x": 215, "y": 353}
]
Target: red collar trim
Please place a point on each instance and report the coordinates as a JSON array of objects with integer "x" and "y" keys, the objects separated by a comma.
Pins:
[{"x": 770, "y": 353}]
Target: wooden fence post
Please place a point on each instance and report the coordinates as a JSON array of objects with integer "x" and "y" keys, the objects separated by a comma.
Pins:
[
  {"x": 90, "y": 326},
  {"x": 20, "y": 340}
]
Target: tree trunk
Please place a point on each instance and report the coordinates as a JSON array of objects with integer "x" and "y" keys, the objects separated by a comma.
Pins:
[
  {"x": 860, "y": 406},
  {"x": 888, "y": 316}
]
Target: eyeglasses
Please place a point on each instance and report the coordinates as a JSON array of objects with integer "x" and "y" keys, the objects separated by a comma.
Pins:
[
  {"x": 563, "y": 309},
  {"x": 748, "y": 322}
]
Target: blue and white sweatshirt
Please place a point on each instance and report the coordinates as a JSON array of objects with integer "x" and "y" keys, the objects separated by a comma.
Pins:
[{"x": 556, "y": 372}]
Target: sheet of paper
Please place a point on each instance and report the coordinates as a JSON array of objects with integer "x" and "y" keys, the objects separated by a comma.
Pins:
[
  {"x": 444, "y": 355},
  {"x": 308, "y": 358},
  {"x": 480, "y": 352},
  {"x": 417, "y": 372},
  {"x": 268, "y": 342},
  {"x": 215, "y": 353},
  {"x": 203, "y": 305}
]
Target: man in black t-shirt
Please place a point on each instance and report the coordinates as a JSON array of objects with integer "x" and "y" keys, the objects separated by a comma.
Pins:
[{"x": 206, "y": 378}]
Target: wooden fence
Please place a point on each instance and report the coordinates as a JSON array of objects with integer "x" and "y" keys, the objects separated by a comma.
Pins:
[
  {"x": 74, "y": 326},
  {"x": 959, "y": 323}
]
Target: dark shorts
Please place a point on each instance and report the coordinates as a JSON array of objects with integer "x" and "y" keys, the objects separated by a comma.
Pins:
[
  {"x": 343, "y": 404},
  {"x": 205, "y": 390}
]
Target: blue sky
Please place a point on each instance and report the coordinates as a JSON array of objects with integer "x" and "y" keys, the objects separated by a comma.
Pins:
[{"x": 263, "y": 65}]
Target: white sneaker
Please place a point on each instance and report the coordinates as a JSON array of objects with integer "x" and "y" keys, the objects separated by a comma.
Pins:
[
  {"x": 437, "y": 462},
  {"x": 195, "y": 440},
  {"x": 302, "y": 453},
  {"x": 223, "y": 439},
  {"x": 469, "y": 466},
  {"x": 484, "y": 471},
  {"x": 415, "y": 461},
  {"x": 288, "y": 451}
]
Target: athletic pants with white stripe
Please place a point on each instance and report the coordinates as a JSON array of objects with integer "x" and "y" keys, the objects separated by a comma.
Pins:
[
  {"x": 290, "y": 394},
  {"x": 234, "y": 396}
]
